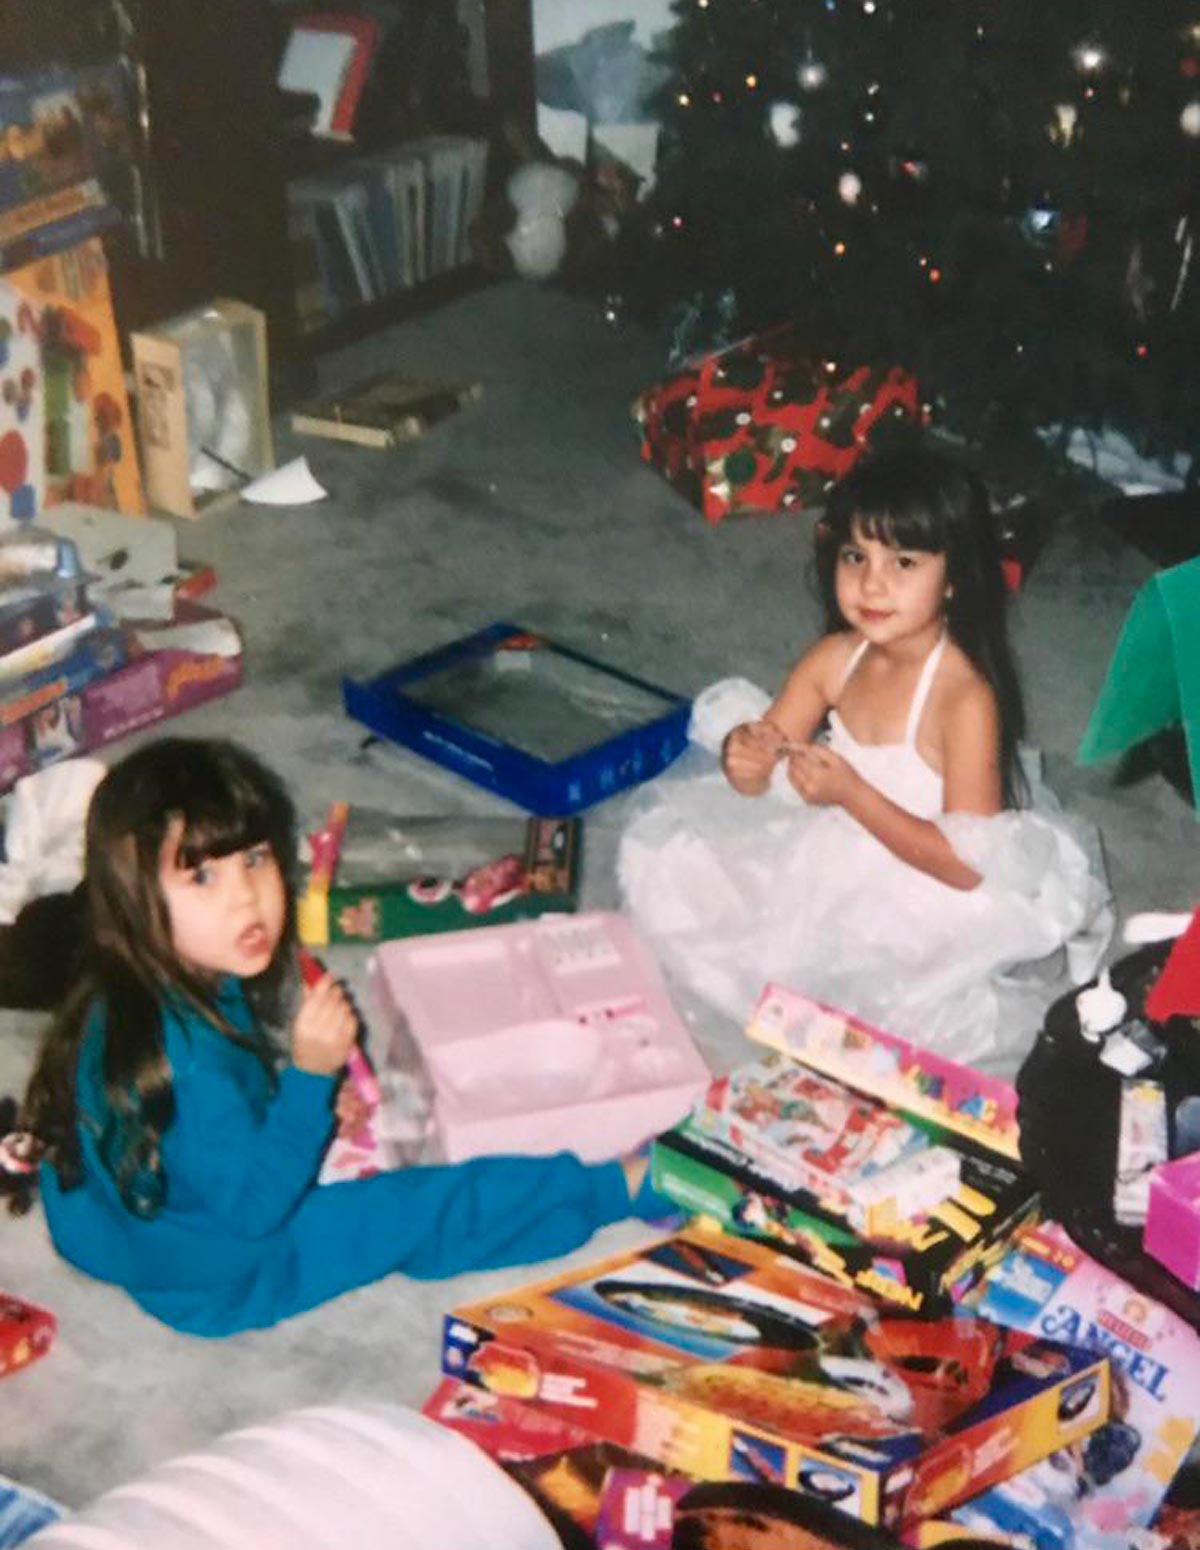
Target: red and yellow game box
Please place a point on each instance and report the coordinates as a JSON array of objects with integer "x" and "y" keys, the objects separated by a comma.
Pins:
[{"x": 724, "y": 1359}]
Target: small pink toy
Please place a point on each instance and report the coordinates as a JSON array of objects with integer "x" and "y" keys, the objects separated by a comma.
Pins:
[
  {"x": 542, "y": 1036},
  {"x": 1173, "y": 1220}
]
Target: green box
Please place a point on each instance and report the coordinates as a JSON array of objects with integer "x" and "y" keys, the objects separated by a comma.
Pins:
[
  {"x": 947, "y": 1252},
  {"x": 399, "y": 877}
]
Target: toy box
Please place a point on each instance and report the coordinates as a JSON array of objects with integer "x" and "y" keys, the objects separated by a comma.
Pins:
[
  {"x": 704, "y": 1349},
  {"x": 99, "y": 652},
  {"x": 763, "y": 426},
  {"x": 383, "y": 876},
  {"x": 25, "y": 1333},
  {"x": 550, "y": 729},
  {"x": 504, "y": 1428},
  {"x": 545, "y": 1035},
  {"x": 1173, "y": 1220},
  {"x": 64, "y": 415},
  {"x": 39, "y": 606},
  {"x": 921, "y": 1263},
  {"x": 807, "y": 1132},
  {"x": 903, "y": 1075},
  {"x": 153, "y": 684},
  {"x": 648, "y": 1510},
  {"x": 1101, "y": 1492},
  {"x": 203, "y": 414}
]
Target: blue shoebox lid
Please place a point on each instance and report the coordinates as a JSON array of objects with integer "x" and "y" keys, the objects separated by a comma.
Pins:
[{"x": 551, "y": 729}]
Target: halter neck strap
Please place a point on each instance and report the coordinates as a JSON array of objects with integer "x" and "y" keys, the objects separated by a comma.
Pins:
[{"x": 921, "y": 692}]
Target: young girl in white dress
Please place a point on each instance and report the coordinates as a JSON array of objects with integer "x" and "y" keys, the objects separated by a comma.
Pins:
[{"x": 865, "y": 842}]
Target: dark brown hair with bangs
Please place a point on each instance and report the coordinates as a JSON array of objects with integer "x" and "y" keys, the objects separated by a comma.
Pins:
[
  {"x": 916, "y": 498},
  {"x": 225, "y": 800}
]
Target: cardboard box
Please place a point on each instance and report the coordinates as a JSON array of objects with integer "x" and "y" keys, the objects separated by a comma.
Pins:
[
  {"x": 906, "y": 1077},
  {"x": 925, "y": 1264},
  {"x": 152, "y": 686},
  {"x": 1173, "y": 1218},
  {"x": 1105, "y": 1493},
  {"x": 204, "y": 418},
  {"x": 703, "y": 1349},
  {"x": 547, "y": 1035},
  {"x": 397, "y": 877},
  {"x": 65, "y": 425},
  {"x": 551, "y": 729}
]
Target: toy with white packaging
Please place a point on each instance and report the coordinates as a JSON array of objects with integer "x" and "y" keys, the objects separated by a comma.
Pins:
[{"x": 545, "y": 1035}]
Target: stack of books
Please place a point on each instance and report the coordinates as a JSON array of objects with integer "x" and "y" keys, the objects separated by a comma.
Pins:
[
  {"x": 73, "y": 674},
  {"x": 383, "y": 223}
]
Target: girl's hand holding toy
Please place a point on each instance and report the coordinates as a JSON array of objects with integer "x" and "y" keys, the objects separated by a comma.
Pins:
[{"x": 325, "y": 1031}]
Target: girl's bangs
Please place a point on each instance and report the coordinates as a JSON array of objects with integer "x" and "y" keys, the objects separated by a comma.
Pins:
[
  {"x": 901, "y": 528},
  {"x": 221, "y": 827}
]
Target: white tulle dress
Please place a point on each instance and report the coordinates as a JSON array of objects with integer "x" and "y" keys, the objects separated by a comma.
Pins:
[{"x": 734, "y": 891}]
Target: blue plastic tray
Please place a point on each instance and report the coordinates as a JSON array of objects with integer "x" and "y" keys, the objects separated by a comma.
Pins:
[{"x": 549, "y": 728}]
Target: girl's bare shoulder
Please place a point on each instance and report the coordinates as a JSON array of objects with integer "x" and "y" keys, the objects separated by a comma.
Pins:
[
  {"x": 825, "y": 662},
  {"x": 963, "y": 690}
]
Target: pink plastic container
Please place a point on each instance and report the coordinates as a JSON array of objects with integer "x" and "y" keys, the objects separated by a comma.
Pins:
[
  {"x": 542, "y": 1036},
  {"x": 1172, "y": 1233}
]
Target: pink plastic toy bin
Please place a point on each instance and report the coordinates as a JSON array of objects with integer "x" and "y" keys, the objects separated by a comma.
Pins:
[{"x": 548, "y": 1035}]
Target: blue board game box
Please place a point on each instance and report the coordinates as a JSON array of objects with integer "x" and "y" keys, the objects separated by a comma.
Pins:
[{"x": 545, "y": 726}]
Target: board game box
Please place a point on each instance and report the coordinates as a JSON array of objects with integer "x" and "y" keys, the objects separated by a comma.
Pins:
[
  {"x": 923, "y": 1262},
  {"x": 383, "y": 876},
  {"x": 906, "y": 1077},
  {"x": 545, "y": 726},
  {"x": 1103, "y": 1492},
  {"x": 721, "y": 1357}
]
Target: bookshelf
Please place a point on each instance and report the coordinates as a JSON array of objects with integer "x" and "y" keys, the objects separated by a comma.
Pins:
[{"x": 234, "y": 192}]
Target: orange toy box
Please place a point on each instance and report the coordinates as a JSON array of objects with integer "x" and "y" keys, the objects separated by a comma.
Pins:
[{"x": 720, "y": 1358}]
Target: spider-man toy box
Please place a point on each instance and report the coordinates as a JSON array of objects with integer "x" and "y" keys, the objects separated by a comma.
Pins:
[{"x": 723, "y": 1359}]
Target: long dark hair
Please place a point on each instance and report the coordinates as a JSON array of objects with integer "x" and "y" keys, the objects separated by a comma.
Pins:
[
  {"x": 225, "y": 801},
  {"x": 915, "y": 498}
]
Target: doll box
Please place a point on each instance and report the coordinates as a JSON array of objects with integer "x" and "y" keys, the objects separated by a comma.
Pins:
[
  {"x": 543, "y": 1036},
  {"x": 396, "y": 876},
  {"x": 902, "y": 1075},
  {"x": 716, "y": 1356},
  {"x": 551, "y": 729},
  {"x": 924, "y": 1264}
]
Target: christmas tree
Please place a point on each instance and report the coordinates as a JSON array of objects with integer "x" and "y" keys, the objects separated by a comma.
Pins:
[{"x": 997, "y": 194}]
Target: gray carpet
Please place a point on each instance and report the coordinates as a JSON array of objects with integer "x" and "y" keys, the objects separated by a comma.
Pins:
[{"x": 532, "y": 506}]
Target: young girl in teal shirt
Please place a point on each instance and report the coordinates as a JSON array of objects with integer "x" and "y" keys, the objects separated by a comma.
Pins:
[{"x": 179, "y": 1151}]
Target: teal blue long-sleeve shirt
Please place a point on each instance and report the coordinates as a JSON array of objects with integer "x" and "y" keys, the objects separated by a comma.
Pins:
[{"x": 244, "y": 1236}]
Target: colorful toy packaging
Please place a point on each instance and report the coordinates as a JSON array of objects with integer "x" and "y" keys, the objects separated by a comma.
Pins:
[
  {"x": 721, "y": 1358},
  {"x": 64, "y": 415},
  {"x": 152, "y": 685},
  {"x": 957, "y": 1098},
  {"x": 921, "y": 1261},
  {"x": 25, "y": 1333},
  {"x": 1173, "y": 1218},
  {"x": 762, "y": 426},
  {"x": 376, "y": 876},
  {"x": 1098, "y": 1493}
]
